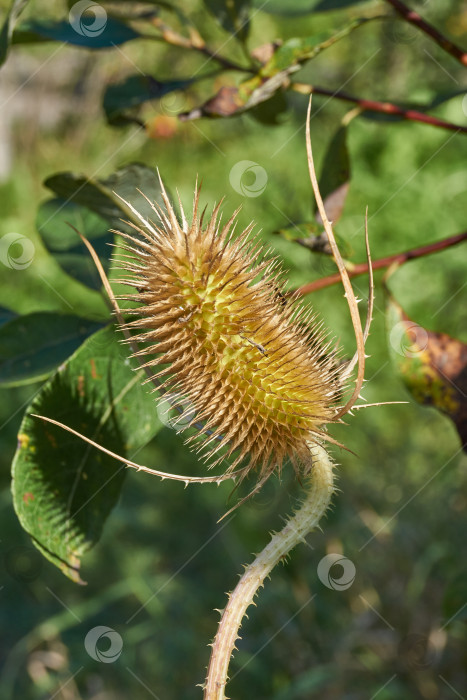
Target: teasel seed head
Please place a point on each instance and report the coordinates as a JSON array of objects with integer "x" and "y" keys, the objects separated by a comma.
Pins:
[{"x": 214, "y": 325}]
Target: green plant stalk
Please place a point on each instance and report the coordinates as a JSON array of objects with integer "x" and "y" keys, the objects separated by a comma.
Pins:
[{"x": 307, "y": 517}]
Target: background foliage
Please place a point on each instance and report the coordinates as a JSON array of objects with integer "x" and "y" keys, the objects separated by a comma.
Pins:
[{"x": 162, "y": 564}]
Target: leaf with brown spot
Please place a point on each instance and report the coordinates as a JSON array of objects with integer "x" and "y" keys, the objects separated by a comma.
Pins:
[{"x": 433, "y": 366}]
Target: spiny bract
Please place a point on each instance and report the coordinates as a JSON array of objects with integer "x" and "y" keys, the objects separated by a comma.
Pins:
[{"x": 213, "y": 314}]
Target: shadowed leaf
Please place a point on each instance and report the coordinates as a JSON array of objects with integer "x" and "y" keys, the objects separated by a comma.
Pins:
[
  {"x": 134, "y": 91},
  {"x": 335, "y": 176},
  {"x": 64, "y": 489},
  {"x": 112, "y": 33},
  {"x": 103, "y": 196},
  {"x": 232, "y": 15},
  {"x": 52, "y": 222},
  {"x": 433, "y": 366},
  {"x": 32, "y": 346}
]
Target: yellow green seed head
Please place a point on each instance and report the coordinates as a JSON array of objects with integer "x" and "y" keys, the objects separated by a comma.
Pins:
[{"x": 214, "y": 324}]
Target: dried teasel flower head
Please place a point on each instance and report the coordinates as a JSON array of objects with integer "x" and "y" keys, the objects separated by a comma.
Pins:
[{"x": 214, "y": 325}]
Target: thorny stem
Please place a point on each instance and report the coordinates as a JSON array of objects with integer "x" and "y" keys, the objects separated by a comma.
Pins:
[
  {"x": 321, "y": 488},
  {"x": 375, "y": 106},
  {"x": 415, "y": 19},
  {"x": 381, "y": 263}
]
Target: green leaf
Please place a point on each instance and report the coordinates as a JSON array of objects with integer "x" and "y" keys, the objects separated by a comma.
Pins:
[
  {"x": 232, "y": 15},
  {"x": 63, "y": 242},
  {"x": 433, "y": 366},
  {"x": 291, "y": 8},
  {"x": 269, "y": 112},
  {"x": 63, "y": 489},
  {"x": 335, "y": 176},
  {"x": 295, "y": 8},
  {"x": 326, "y": 5},
  {"x": 103, "y": 196},
  {"x": 110, "y": 33},
  {"x": 134, "y": 91},
  {"x": 32, "y": 346},
  {"x": 17, "y": 6}
]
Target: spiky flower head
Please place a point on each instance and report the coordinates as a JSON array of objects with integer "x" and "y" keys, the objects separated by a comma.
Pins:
[{"x": 215, "y": 325}]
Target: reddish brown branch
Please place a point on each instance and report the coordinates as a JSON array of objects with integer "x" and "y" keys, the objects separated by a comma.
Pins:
[
  {"x": 414, "y": 18},
  {"x": 384, "y": 107},
  {"x": 362, "y": 268}
]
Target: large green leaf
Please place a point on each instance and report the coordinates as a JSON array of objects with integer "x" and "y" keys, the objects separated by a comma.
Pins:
[
  {"x": 134, "y": 91},
  {"x": 52, "y": 222},
  {"x": 63, "y": 489},
  {"x": 17, "y": 6},
  {"x": 103, "y": 196},
  {"x": 32, "y": 346},
  {"x": 111, "y": 34}
]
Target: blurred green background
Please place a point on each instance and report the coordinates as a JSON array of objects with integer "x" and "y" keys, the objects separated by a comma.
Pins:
[{"x": 163, "y": 563}]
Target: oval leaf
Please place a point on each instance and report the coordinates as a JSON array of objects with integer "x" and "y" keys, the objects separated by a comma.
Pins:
[
  {"x": 32, "y": 346},
  {"x": 63, "y": 489}
]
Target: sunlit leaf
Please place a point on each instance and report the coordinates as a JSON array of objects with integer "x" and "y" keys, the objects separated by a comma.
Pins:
[
  {"x": 32, "y": 346},
  {"x": 63, "y": 489},
  {"x": 433, "y": 366}
]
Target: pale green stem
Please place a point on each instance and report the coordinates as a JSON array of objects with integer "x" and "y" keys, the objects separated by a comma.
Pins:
[{"x": 321, "y": 488}]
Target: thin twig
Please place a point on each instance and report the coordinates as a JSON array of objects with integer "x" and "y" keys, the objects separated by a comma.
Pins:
[
  {"x": 172, "y": 37},
  {"x": 381, "y": 107},
  {"x": 381, "y": 263},
  {"x": 415, "y": 19}
]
